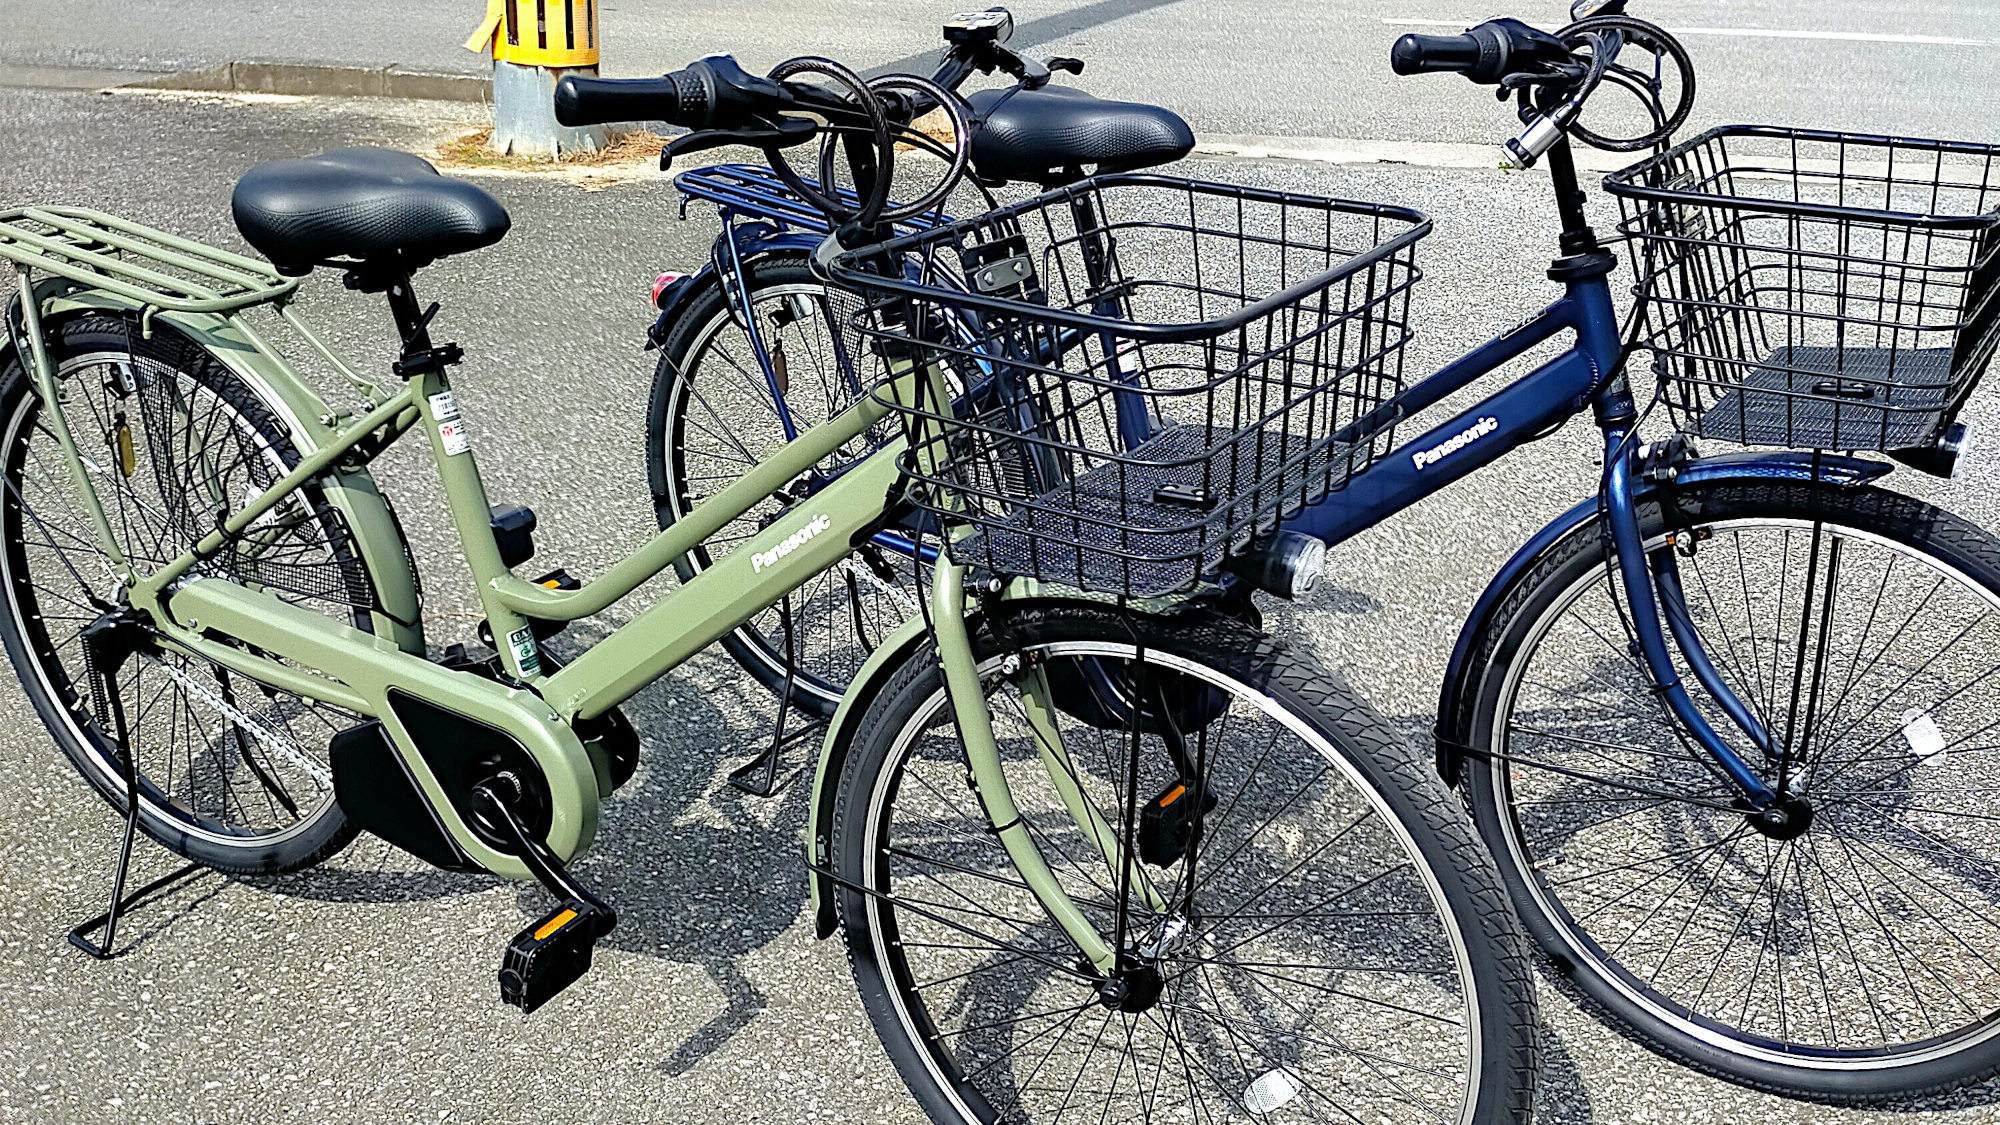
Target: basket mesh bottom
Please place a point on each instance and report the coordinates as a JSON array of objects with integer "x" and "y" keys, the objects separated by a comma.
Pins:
[
  {"x": 1109, "y": 531},
  {"x": 1786, "y": 399}
]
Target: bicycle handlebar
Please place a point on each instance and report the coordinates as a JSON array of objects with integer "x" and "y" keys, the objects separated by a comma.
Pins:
[
  {"x": 1566, "y": 67},
  {"x": 1430, "y": 54},
  {"x": 711, "y": 93}
]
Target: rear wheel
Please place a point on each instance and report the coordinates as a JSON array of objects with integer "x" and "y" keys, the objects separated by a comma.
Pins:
[
  {"x": 712, "y": 418},
  {"x": 231, "y": 773},
  {"x": 1853, "y": 960},
  {"x": 1329, "y": 942}
]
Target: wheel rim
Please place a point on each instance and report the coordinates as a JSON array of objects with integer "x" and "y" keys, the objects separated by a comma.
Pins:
[
  {"x": 1269, "y": 994},
  {"x": 724, "y": 425},
  {"x": 220, "y": 758},
  {"x": 1870, "y": 941}
]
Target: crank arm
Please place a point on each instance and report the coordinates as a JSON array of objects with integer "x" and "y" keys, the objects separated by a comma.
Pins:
[{"x": 553, "y": 952}]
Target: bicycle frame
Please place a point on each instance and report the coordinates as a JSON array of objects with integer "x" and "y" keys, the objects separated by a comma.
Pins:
[
  {"x": 1587, "y": 375},
  {"x": 267, "y": 639}
]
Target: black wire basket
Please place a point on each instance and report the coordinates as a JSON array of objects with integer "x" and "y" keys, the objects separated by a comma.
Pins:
[
  {"x": 1117, "y": 384},
  {"x": 1816, "y": 290}
]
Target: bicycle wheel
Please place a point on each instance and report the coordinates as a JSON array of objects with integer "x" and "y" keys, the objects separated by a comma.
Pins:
[
  {"x": 1852, "y": 956},
  {"x": 712, "y": 417},
  {"x": 1330, "y": 944},
  {"x": 232, "y": 774}
]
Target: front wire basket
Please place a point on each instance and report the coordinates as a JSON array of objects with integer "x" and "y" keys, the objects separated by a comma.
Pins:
[
  {"x": 1816, "y": 290},
  {"x": 1119, "y": 383}
]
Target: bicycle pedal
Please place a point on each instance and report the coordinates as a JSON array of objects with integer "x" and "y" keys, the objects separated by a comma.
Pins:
[{"x": 551, "y": 954}]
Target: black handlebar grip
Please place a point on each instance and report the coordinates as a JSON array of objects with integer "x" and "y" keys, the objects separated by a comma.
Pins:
[
  {"x": 680, "y": 98},
  {"x": 1428, "y": 54}
]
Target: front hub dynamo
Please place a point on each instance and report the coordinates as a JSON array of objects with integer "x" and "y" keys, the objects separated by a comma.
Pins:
[{"x": 1134, "y": 987}]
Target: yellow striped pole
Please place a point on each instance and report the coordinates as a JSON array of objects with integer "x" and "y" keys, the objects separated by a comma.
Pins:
[{"x": 534, "y": 43}]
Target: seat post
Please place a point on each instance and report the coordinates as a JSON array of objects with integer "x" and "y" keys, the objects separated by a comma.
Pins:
[{"x": 412, "y": 324}]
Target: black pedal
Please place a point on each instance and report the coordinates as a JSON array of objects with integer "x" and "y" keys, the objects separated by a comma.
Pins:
[
  {"x": 560, "y": 579},
  {"x": 1167, "y": 823},
  {"x": 552, "y": 954}
]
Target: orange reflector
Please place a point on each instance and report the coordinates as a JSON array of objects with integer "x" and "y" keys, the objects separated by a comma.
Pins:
[
  {"x": 554, "y": 924},
  {"x": 553, "y": 583},
  {"x": 1173, "y": 795}
]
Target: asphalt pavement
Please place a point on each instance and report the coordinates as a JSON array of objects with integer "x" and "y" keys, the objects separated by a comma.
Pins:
[{"x": 362, "y": 992}]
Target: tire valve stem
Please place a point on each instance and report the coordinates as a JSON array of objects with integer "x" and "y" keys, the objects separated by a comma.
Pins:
[
  {"x": 121, "y": 440},
  {"x": 780, "y": 372}
]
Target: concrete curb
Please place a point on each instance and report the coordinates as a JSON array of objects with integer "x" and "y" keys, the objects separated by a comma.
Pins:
[{"x": 324, "y": 81}]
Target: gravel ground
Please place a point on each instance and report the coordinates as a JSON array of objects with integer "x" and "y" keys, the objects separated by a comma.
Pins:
[{"x": 363, "y": 991}]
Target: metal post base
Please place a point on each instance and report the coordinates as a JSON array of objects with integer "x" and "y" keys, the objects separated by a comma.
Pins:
[{"x": 524, "y": 114}]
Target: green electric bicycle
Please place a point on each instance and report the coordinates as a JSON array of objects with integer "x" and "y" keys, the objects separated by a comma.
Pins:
[{"x": 1099, "y": 848}]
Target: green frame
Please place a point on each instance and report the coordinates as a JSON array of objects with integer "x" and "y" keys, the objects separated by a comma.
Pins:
[{"x": 90, "y": 257}]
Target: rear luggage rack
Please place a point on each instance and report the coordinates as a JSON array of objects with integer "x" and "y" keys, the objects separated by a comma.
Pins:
[
  {"x": 149, "y": 267},
  {"x": 757, "y": 192}
]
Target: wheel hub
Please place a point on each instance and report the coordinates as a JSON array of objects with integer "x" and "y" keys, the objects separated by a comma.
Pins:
[
  {"x": 1786, "y": 819},
  {"x": 1134, "y": 987}
]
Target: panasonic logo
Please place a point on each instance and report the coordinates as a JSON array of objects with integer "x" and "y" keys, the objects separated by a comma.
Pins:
[
  {"x": 1456, "y": 442},
  {"x": 788, "y": 544}
]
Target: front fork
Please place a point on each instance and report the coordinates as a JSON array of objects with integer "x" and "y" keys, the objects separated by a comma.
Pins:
[
  {"x": 1653, "y": 591},
  {"x": 989, "y": 779}
]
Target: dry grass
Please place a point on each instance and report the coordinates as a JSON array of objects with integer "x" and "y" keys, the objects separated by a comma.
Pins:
[{"x": 470, "y": 152}]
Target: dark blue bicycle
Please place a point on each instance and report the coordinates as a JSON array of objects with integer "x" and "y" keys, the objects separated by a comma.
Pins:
[{"x": 1726, "y": 725}]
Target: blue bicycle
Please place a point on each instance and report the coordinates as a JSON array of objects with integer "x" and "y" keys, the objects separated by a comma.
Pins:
[{"x": 1724, "y": 725}]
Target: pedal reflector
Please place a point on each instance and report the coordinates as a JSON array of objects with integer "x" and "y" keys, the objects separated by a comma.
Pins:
[{"x": 551, "y": 955}]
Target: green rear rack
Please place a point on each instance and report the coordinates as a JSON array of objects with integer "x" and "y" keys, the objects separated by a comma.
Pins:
[{"x": 149, "y": 267}]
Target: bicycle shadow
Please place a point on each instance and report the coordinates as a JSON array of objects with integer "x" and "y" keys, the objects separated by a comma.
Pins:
[{"x": 702, "y": 874}]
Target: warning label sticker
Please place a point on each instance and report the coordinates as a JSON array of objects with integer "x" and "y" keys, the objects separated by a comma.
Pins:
[{"x": 455, "y": 437}]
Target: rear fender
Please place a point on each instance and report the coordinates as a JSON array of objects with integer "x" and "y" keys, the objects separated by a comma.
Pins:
[
  {"x": 378, "y": 537},
  {"x": 1450, "y": 732}
]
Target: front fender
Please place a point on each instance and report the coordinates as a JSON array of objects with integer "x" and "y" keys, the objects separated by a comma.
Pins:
[
  {"x": 1451, "y": 735},
  {"x": 888, "y": 656}
]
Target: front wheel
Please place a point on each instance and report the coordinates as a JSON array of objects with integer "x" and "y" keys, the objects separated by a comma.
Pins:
[
  {"x": 1851, "y": 955},
  {"x": 1325, "y": 940}
]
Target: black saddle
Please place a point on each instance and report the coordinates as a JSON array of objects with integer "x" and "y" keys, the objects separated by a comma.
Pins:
[
  {"x": 365, "y": 205},
  {"x": 1040, "y": 135}
]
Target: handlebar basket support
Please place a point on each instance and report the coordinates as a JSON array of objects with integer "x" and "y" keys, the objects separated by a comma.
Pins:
[
  {"x": 1117, "y": 384},
  {"x": 1816, "y": 290}
]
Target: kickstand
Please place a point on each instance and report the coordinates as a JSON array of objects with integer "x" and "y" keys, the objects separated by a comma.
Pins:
[
  {"x": 104, "y": 684},
  {"x": 766, "y": 763}
]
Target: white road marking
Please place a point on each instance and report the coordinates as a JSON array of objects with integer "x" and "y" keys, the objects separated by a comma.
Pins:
[
  {"x": 1765, "y": 33},
  {"x": 1345, "y": 150}
]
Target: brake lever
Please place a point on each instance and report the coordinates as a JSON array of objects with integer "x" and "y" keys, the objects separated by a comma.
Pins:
[
  {"x": 786, "y": 132},
  {"x": 1063, "y": 63},
  {"x": 1032, "y": 74}
]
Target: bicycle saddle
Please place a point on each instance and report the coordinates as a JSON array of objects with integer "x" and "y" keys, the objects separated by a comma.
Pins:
[
  {"x": 361, "y": 204},
  {"x": 1036, "y": 135}
]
